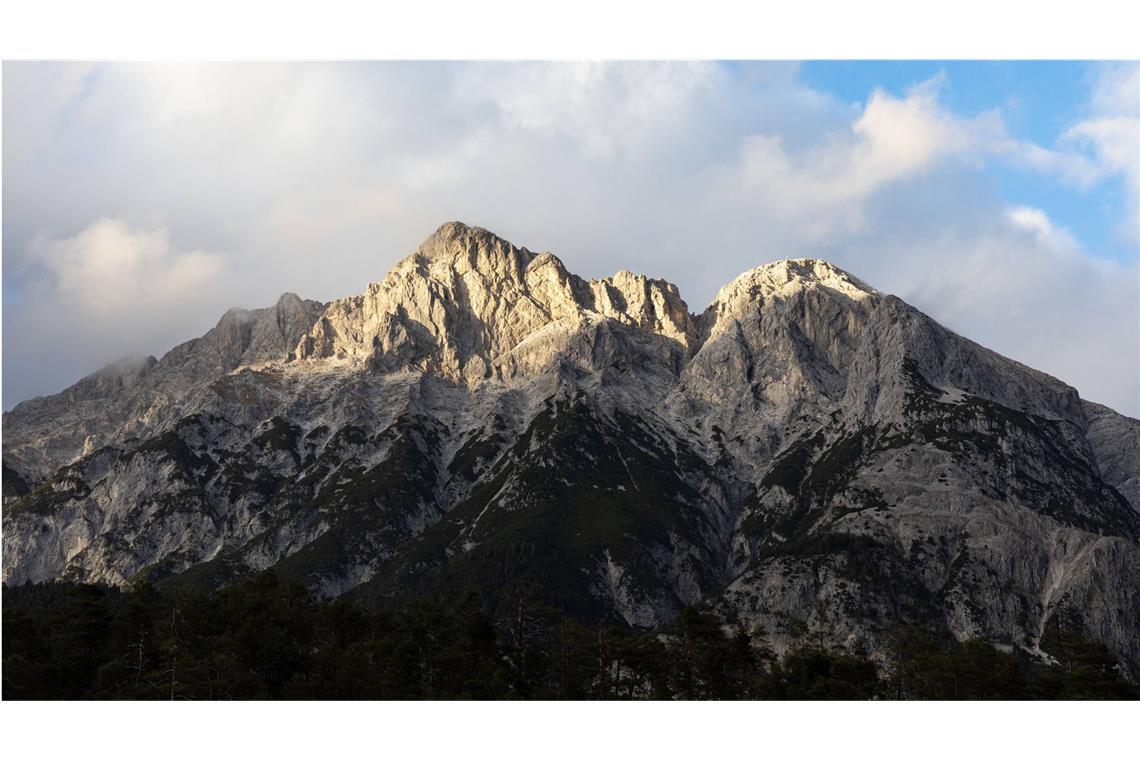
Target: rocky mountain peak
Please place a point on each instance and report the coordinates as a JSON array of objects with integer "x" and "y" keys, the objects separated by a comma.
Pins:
[
  {"x": 784, "y": 278},
  {"x": 807, "y": 449},
  {"x": 289, "y": 301},
  {"x": 469, "y": 305},
  {"x": 461, "y": 246},
  {"x": 243, "y": 336}
]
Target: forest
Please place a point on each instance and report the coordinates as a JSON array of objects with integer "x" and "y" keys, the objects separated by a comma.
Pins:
[{"x": 269, "y": 638}]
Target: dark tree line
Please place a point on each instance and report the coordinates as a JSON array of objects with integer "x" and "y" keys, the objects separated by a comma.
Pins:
[{"x": 265, "y": 638}]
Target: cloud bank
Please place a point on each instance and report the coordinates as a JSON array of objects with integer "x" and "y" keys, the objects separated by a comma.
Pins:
[{"x": 141, "y": 201}]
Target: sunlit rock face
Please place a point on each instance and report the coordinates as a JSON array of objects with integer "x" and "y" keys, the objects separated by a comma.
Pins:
[
  {"x": 807, "y": 454},
  {"x": 468, "y": 306}
]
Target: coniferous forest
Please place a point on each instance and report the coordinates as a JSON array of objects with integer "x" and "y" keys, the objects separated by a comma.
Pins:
[{"x": 268, "y": 638}]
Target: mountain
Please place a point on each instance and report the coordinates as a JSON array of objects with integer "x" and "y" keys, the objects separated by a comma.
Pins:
[{"x": 808, "y": 454}]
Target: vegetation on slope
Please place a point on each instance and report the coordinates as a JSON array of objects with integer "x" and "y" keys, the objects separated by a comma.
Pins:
[{"x": 267, "y": 638}]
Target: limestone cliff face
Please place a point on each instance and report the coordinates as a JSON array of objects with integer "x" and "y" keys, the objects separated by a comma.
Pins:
[
  {"x": 807, "y": 453},
  {"x": 1115, "y": 441},
  {"x": 468, "y": 306}
]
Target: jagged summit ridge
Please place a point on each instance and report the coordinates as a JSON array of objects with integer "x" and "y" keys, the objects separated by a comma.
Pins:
[{"x": 469, "y": 306}]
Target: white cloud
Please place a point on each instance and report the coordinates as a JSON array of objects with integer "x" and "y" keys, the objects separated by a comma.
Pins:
[
  {"x": 1032, "y": 219},
  {"x": 902, "y": 136},
  {"x": 1110, "y": 136},
  {"x": 1117, "y": 90},
  {"x": 109, "y": 291},
  {"x": 1112, "y": 129},
  {"x": 1075, "y": 169},
  {"x": 110, "y": 269},
  {"x": 894, "y": 139},
  {"x": 1113, "y": 140},
  {"x": 605, "y": 110}
]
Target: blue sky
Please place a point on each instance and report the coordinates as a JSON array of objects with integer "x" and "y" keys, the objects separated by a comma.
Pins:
[
  {"x": 1038, "y": 101},
  {"x": 143, "y": 200}
]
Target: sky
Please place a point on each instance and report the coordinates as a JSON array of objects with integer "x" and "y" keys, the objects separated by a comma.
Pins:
[{"x": 142, "y": 200}]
